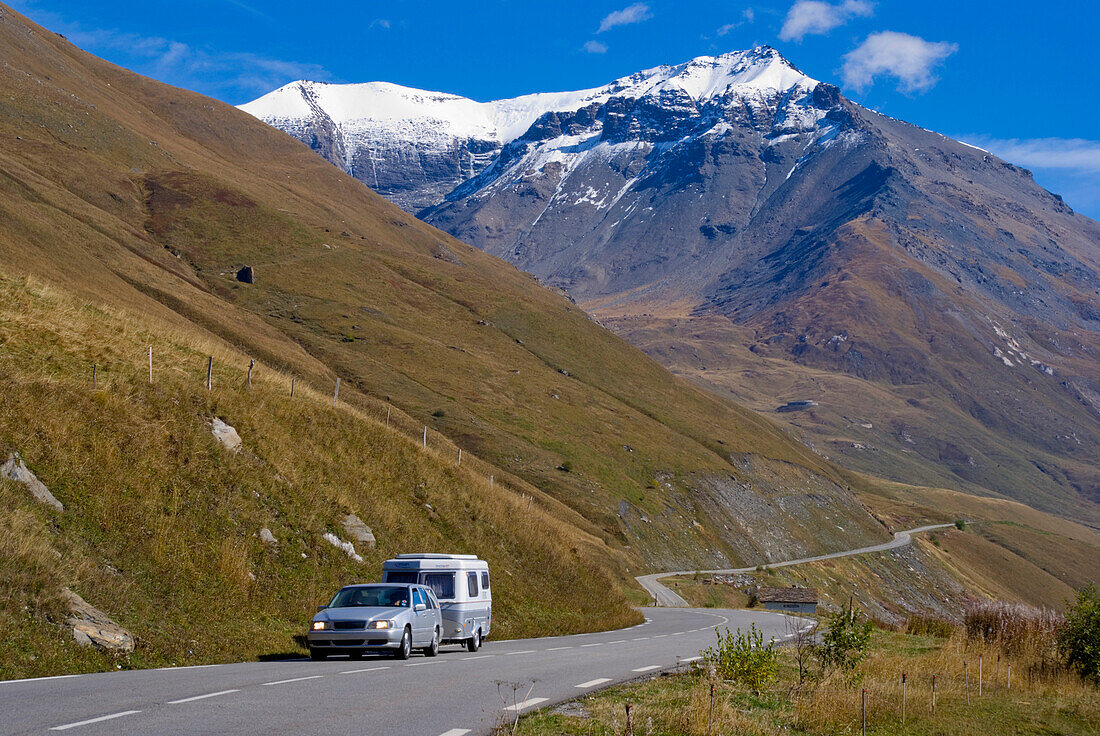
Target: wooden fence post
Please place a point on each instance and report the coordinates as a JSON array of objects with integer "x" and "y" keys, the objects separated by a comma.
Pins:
[
  {"x": 150, "y": 364},
  {"x": 966, "y": 682},
  {"x": 460, "y": 456},
  {"x": 863, "y": 711},
  {"x": 425, "y": 436},
  {"x": 979, "y": 675},
  {"x": 336, "y": 392},
  {"x": 710, "y": 716},
  {"x": 933, "y": 695},
  {"x": 93, "y": 376},
  {"x": 251, "y": 365},
  {"x": 903, "y": 697},
  {"x": 209, "y": 372},
  {"x": 629, "y": 722},
  {"x": 293, "y": 380},
  {"x": 387, "y": 417}
]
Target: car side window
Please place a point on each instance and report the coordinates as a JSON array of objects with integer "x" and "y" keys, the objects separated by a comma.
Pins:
[
  {"x": 485, "y": 580},
  {"x": 418, "y": 597},
  {"x": 471, "y": 578}
]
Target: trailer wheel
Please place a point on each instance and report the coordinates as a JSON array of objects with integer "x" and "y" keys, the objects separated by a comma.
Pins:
[{"x": 474, "y": 642}]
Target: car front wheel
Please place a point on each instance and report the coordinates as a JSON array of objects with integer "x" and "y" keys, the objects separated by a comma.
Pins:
[
  {"x": 317, "y": 656},
  {"x": 433, "y": 648},
  {"x": 405, "y": 649},
  {"x": 474, "y": 642}
]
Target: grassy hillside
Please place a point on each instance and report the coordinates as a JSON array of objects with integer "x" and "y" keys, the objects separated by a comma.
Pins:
[{"x": 160, "y": 526}]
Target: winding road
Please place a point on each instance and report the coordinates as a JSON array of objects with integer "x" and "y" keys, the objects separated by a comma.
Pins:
[
  {"x": 455, "y": 694},
  {"x": 666, "y": 597}
]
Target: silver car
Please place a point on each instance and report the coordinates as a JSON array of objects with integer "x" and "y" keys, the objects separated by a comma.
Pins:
[{"x": 377, "y": 617}]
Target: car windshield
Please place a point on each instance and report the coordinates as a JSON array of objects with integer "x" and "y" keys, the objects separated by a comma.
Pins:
[{"x": 374, "y": 596}]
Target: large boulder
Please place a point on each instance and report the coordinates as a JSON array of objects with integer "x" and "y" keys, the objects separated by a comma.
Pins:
[
  {"x": 358, "y": 531},
  {"x": 14, "y": 469},
  {"x": 92, "y": 627},
  {"x": 226, "y": 435}
]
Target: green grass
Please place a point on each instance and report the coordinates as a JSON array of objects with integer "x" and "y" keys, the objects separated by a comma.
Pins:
[{"x": 680, "y": 704}]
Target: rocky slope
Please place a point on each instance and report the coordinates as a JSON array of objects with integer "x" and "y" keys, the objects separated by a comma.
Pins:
[{"x": 754, "y": 229}]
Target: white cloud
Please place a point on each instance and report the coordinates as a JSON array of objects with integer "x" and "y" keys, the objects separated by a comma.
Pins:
[
  {"x": 380, "y": 23},
  {"x": 909, "y": 59},
  {"x": 807, "y": 17},
  {"x": 595, "y": 47},
  {"x": 747, "y": 16},
  {"x": 221, "y": 73},
  {"x": 635, "y": 13},
  {"x": 1068, "y": 154}
]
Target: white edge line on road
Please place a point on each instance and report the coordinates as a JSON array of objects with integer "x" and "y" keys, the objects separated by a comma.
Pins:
[
  {"x": 641, "y": 638},
  {"x": 597, "y": 644},
  {"x": 201, "y": 697},
  {"x": 295, "y": 679},
  {"x": 594, "y": 683},
  {"x": 456, "y": 732},
  {"x": 36, "y": 679},
  {"x": 526, "y": 704},
  {"x": 480, "y": 656},
  {"x": 525, "y": 651},
  {"x": 368, "y": 669},
  {"x": 620, "y": 641},
  {"x": 95, "y": 720},
  {"x": 557, "y": 649},
  {"x": 188, "y": 667},
  {"x": 650, "y": 668}
]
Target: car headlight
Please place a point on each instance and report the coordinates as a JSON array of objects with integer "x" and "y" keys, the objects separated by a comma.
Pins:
[
  {"x": 380, "y": 625},
  {"x": 318, "y": 625}
]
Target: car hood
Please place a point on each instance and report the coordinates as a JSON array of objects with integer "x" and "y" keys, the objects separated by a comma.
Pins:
[{"x": 359, "y": 613}]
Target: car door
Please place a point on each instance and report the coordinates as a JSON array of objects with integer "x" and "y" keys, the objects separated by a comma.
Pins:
[{"x": 422, "y": 632}]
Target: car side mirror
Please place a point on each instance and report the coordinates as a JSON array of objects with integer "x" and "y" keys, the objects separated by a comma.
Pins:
[
  {"x": 420, "y": 607},
  {"x": 321, "y": 608}
]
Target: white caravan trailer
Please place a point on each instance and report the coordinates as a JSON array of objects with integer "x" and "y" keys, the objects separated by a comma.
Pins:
[{"x": 460, "y": 582}]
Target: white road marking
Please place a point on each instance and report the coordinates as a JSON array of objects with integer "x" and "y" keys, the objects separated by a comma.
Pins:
[
  {"x": 295, "y": 679},
  {"x": 201, "y": 697},
  {"x": 648, "y": 669},
  {"x": 594, "y": 683},
  {"x": 525, "y": 651},
  {"x": 95, "y": 720},
  {"x": 597, "y": 644},
  {"x": 37, "y": 679},
  {"x": 660, "y": 636},
  {"x": 188, "y": 667},
  {"x": 368, "y": 669},
  {"x": 456, "y": 732},
  {"x": 525, "y": 704},
  {"x": 480, "y": 656},
  {"x": 678, "y": 633},
  {"x": 641, "y": 638},
  {"x": 620, "y": 641},
  {"x": 416, "y": 664},
  {"x": 557, "y": 649}
]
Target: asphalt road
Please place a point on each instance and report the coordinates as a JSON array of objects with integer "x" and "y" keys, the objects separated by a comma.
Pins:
[
  {"x": 667, "y": 597},
  {"x": 454, "y": 694}
]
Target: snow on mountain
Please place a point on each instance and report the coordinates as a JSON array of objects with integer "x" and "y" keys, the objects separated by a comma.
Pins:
[{"x": 415, "y": 146}]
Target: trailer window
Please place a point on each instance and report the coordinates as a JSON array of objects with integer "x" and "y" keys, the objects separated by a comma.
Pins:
[
  {"x": 471, "y": 578},
  {"x": 441, "y": 583},
  {"x": 400, "y": 576},
  {"x": 485, "y": 580}
]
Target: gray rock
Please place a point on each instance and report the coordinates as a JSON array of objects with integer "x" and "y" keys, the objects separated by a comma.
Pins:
[
  {"x": 358, "y": 531},
  {"x": 92, "y": 627},
  {"x": 14, "y": 469},
  {"x": 268, "y": 538},
  {"x": 226, "y": 435}
]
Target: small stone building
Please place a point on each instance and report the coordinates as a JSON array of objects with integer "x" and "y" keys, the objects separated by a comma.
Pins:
[{"x": 789, "y": 600}]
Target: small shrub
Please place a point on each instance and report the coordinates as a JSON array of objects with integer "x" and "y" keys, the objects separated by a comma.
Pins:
[
  {"x": 566, "y": 467},
  {"x": 1017, "y": 629},
  {"x": 844, "y": 643},
  {"x": 439, "y": 413},
  {"x": 960, "y": 525},
  {"x": 744, "y": 658},
  {"x": 1079, "y": 638}
]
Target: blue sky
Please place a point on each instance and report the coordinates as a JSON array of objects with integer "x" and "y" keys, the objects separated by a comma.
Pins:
[{"x": 1016, "y": 77}]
